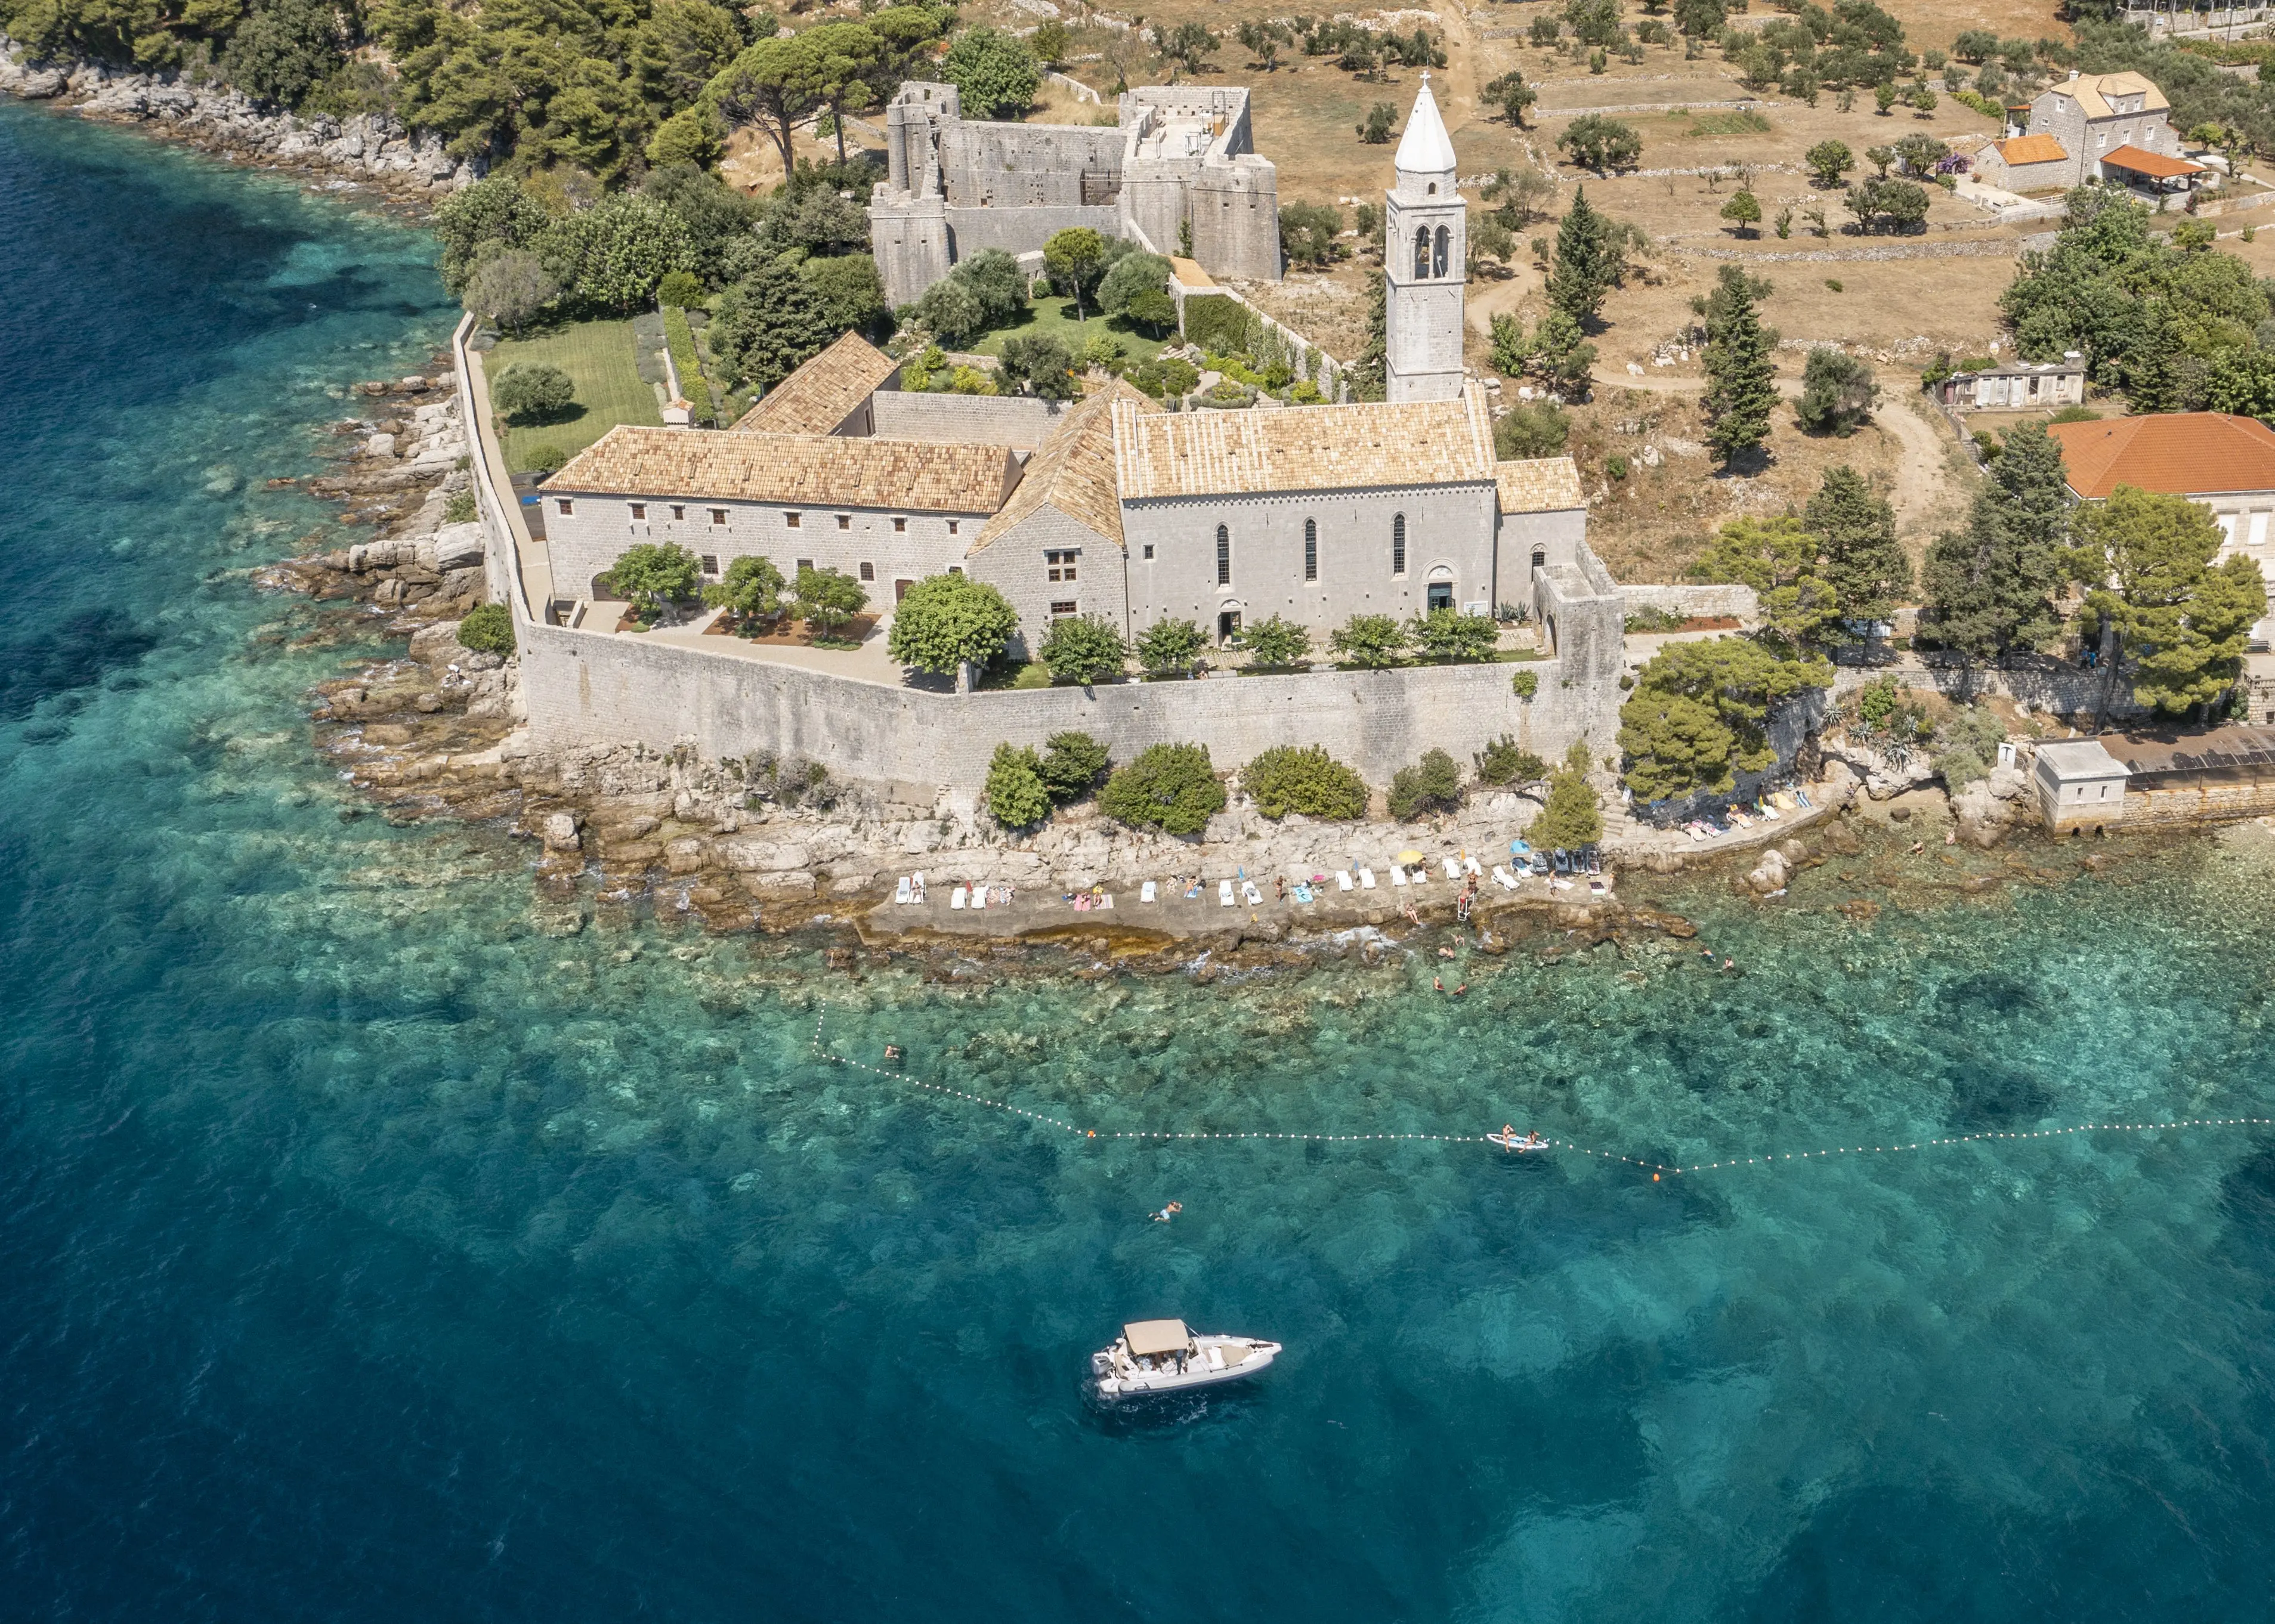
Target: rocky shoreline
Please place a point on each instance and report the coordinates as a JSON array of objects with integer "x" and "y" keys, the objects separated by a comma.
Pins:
[{"x": 373, "y": 149}]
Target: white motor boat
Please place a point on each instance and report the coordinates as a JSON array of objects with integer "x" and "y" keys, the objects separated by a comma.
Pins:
[{"x": 1167, "y": 1356}]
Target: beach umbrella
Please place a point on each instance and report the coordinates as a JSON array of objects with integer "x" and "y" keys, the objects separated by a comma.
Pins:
[{"x": 1409, "y": 855}]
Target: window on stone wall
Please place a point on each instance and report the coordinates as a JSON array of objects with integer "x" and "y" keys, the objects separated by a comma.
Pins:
[
  {"x": 1437, "y": 257},
  {"x": 900, "y": 525},
  {"x": 678, "y": 511},
  {"x": 639, "y": 509},
  {"x": 710, "y": 564},
  {"x": 791, "y": 521},
  {"x": 868, "y": 572},
  {"x": 1310, "y": 549},
  {"x": 562, "y": 504},
  {"x": 718, "y": 518},
  {"x": 1421, "y": 251},
  {"x": 1064, "y": 608},
  {"x": 1540, "y": 558},
  {"x": 1398, "y": 544},
  {"x": 845, "y": 521},
  {"x": 1223, "y": 557},
  {"x": 803, "y": 563},
  {"x": 951, "y": 530},
  {"x": 1061, "y": 565}
]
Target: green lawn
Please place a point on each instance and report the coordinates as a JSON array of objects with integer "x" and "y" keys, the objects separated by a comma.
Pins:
[
  {"x": 1055, "y": 316},
  {"x": 601, "y": 358}
]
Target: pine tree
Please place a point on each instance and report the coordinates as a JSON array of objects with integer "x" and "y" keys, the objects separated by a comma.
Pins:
[
  {"x": 1370, "y": 375},
  {"x": 2153, "y": 380},
  {"x": 1989, "y": 586},
  {"x": 1863, "y": 559},
  {"x": 1741, "y": 370},
  {"x": 1585, "y": 266},
  {"x": 2185, "y": 622}
]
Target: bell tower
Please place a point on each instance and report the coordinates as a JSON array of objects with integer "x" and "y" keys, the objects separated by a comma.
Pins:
[{"x": 1426, "y": 261}]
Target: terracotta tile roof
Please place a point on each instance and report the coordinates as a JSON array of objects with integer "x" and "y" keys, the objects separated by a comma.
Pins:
[
  {"x": 1209, "y": 453},
  {"x": 1073, "y": 470},
  {"x": 2092, "y": 91},
  {"x": 2032, "y": 149},
  {"x": 2154, "y": 164},
  {"x": 823, "y": 393},
  {"x": 1538, "y": 485},
  {"x": 818, "y": 470},
  {"x": 1189, "y": 273},
  {"x": 2178, "y": 453}
]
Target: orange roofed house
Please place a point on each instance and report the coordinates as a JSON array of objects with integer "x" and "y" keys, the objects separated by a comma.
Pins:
[
  {"x": 2114, "y": 127},
  {"x": 2223, "y": 462}
]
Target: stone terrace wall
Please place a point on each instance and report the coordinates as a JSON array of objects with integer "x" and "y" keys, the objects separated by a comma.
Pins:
[
  {"x": 2067, "y": 691},
  {"x": 1016, "y": 420},
  {"x": 1702, "y": 600},
  {"x": 2211, "y": 801},
  {"x": 585, "y": 687}
]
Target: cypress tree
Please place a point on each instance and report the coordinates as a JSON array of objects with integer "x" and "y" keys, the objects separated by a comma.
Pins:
[
  {"x": 1863, "y": 559},
  {"x": 1740, "y": 373},
  {"x": 1585, "y": 269},
  {"x": 2153, "y": 371}
]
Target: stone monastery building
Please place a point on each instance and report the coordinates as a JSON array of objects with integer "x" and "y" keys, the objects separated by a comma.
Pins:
[
  {"x": 1117, "y": 508},
  {"x": 1179, "y": 159}
]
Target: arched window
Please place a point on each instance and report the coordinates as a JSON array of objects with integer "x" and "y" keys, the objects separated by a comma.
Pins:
[
  {"x": 1223, "y": 557},
  {"x": 1432, "y": 189},
  {"x": 1540, "y": 558},
  {"x": 1438, "y": 259},
  {"x": 1398, "y": 544},
  {"x": 1421, "y": 251},
  {"x": 1310, "y": 549}
]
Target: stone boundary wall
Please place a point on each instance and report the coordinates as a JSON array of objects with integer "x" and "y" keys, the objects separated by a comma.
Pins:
[
  {"x": 1025, "y": 228},
  {"x": 1331, "y": 374},
  {"x": 584, "y": 687},
  {"x": 2205, "y": 803},
  {"x": 505, "y": 533},
  {"x": 2069, "y": 692},
  {"x": 1702, "y": 599}
]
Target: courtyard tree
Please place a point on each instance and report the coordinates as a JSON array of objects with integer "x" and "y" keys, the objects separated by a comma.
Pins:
[
  {"x": 1370, "y": 641},
  {"x": 532, "y": 392},
  {"x": 1305, "y": 779},
  {"x": 1989, "y": 586},
  {"x": 1015, "y": 795},
  {"x": 949, "y": 624},
  {"x": 828, "y": 600},
  {"x": 1041, "y": 363},
  {"x": 1448, "y": 634},
  {"x": 751, "y": 590},
  {"x": 1699, "y": 715},
  {"x": 1276, "y": 642},
  {"x": 769, "y": 324},
  {"x": 1076, "y": 261},
  {"x": 1072, "y": 763},
  {"x": 1172, "y": 788},
  {"x": 1083, "y": 648},
  {"x": 652, "y": 574},
  {"x": 1170, "y": 647},
  {"x": 1134, "y": 273},
  {"x": 2185, "y": 619}
]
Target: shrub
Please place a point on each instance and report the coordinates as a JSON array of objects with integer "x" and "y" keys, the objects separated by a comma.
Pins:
[
  {"x": 1171, "y": 788},
  {"x": 654, "y": 573},
  {"x": 1504, "y": 762},
  {"x": 1040, "y": 362},
  {"x": 1381, "y": 119},
  {"x": 752, "y": 586},
  {"x": 1538, "y": 428},
  {"x": 828, "y": 598},
  {"x": 1288, "y": 778},
  {"x": 1369, "y": 640},
  {"x": 1276, "y": 642},
  {"x": 1966, "y": 745},
  {"x": 459, "y": 508},
  {"x": 1071, "y": 764},
  {"x": 1595, "y": 142},
  {"x": 1015, "y": 795},
  {"x": 679, "y": 288},
  {"x": 1169, "y": 647},
  {"x": 489, "y": 629},
  {"x": 1083, "y": 648},
  {"x": 531, "y": 393},
  {"x": 1218, "y": 324},
  {"x": 1432, "y": 784},
  {"x": 1571, "y": 817},
  {"x": 1837, "y": 393},
  {"x": 1448, "y": 634},
  {"x": 1524, "y": 685}
]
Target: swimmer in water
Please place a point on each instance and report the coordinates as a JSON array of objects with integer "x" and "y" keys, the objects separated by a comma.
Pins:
[{"x": 1168, "y": 1211}]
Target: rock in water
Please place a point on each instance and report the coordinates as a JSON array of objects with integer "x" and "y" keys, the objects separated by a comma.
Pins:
[{"x": 560, "y": 832}]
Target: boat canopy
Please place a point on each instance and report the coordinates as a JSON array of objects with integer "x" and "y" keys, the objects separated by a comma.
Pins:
[{"x": 1157, "y": 1336}]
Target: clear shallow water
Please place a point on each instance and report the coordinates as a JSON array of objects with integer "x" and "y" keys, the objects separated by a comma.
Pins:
[{"x": 366, "y": 1253}]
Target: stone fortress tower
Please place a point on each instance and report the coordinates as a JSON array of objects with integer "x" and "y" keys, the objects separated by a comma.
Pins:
[{"x": 1426, "y": 261}]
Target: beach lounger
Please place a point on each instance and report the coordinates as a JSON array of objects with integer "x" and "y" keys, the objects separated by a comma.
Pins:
[
  {"x": 1502, "y": 877},
  {"x": 979, "y": 896},
  {"x": 1248, "y": 890},
  {"x": 1453, "y": 869},
  {"x": 1224, "y": 893},
  {"x": 1801, "y": 795},
  {"x": 1562, "y": 884},
  {"x": 1302, "y": 891},
  {"x": 1470, "y": 866},
  {"x": 959, "y": 897},
  {"x": 1398, "y": 875},
  {"x": 901, "y": 892},
  {"x": 1342, "y": 880},
  {"x": 1106, "y": 901},
  {"x": 1366, "y": 879},
  {"x": 1146, "y": 892}
]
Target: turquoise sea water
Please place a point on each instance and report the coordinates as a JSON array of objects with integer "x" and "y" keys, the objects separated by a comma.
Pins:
[{"x": 366, "y": 1252}]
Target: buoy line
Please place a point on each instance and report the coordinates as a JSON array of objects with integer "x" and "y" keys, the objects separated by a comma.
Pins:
[{"x": 1656, "y": 1169}]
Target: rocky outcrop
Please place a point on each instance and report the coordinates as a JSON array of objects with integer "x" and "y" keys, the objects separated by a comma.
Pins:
[
  {"x": 374, "y": 147},
  {"x": 1988, "y": 808}
]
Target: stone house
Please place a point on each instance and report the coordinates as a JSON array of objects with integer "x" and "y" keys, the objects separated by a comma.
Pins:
[
  {"x": 2080, "y": 786},
  {"x": 2221, "y": 461},
  {"x": 2018, "y": 386},
  {"x": 2026, "y": 163},
  {"x": 2107, "y": 126}
]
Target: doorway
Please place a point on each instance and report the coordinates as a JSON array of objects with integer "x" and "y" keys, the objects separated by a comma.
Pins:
[
  {"x": 1441, "y": 594},
  {"x": 1228, "y": 626},
  {"x": 901, "y": 591}
]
